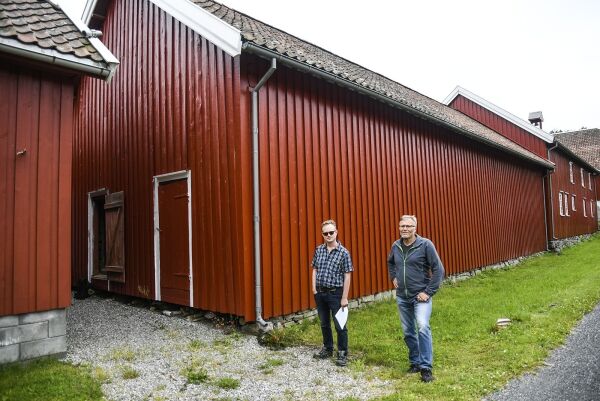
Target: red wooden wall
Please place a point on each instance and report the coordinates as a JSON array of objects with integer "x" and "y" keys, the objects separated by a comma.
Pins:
[
  {"x": 35, "y": 190},
  {"x": 178, "y": 103},
  {"x": 576, "y": 223},
  {"x": 327, "y": 152},
  {"x": 173, "y": 105},
  {"x": 500, "y": 125}
]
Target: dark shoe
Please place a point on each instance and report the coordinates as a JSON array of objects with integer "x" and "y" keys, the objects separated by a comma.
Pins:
[
  {"x": 413, "y": 369},
  {"x": 342, "y": 358},
  {"x": 427, "y": 376},
  {"x": 323, "y": 354}
]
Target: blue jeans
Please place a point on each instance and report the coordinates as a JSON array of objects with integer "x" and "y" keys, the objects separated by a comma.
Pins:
[
  {"x": 328, "y": 303},
  {"x": 414, "y": 317}
]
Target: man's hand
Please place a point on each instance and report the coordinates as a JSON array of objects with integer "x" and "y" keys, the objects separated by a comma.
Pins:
[
  {"x": 422, "y": 297},
  {"x": 395, "y": 282},
  {"x": 344, "y": 302}
]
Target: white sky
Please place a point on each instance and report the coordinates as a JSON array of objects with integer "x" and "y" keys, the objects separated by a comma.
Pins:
[{"x": 522, "y": 55}]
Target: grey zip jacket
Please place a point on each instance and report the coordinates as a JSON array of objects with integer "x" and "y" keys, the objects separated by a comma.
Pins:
[{"x": 420, "y": 270}]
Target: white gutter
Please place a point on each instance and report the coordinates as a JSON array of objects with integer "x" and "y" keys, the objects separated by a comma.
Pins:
[{"x": 50, "y": 56}]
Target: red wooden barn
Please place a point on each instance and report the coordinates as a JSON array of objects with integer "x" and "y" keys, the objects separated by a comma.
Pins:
[
  {"x": 570, "y": 188},
  {"x": 163, "y": 172},
  {"x": 43, "y": 54}
]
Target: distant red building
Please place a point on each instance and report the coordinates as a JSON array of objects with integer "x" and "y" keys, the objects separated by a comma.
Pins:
[
  {"x": 40, "y": 67},
  {"x": 571, "y": 189}
]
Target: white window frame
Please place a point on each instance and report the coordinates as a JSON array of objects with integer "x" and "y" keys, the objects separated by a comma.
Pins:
[
  {"x": 561, "y": 209},
  {"x": 592, "y": 208},
  {"x": 582, "y": 179},
  {"x": 156, "y": 181},
  {"x": 571, "y": 173},
  {"x": 566, "y": 197},
  {"x": 584, "y": 208},
  {"x": 573, "y": 201},
  {"x": 90, "y": 232},
  {"x": 589, "y": 180}
]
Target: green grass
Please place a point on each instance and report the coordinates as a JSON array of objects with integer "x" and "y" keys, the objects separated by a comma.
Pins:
[
  {"x": 227, "y": 383},
  {"x": 129, "y": 373},
  {"x": 48, "y": 380},
  {"x": 545, "y": 297}
]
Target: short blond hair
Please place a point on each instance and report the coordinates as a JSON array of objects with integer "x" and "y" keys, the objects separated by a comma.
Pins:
[
  {"x": 409, "y": 217},
  {"x": 323, "y": 224}
]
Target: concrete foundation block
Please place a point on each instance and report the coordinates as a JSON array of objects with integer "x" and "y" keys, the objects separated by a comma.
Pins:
[
  {"x": 26, "y": 332},
  {"x": 58, "y": 326},
  {"x": 43, "y": 316},
  {"x": 7, "y": 321},
  {"x": 9, "y": 354},
  {"x": 39, "y": 348}
]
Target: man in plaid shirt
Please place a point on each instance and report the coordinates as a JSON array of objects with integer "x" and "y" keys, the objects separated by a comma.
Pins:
[{"x": 332, "y": 267}]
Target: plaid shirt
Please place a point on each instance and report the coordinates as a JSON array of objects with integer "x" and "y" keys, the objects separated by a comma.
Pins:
[{"x": 332, "y": 265}]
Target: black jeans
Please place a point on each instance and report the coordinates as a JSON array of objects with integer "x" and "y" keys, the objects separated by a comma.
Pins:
[{"x": 328, "y": 303}]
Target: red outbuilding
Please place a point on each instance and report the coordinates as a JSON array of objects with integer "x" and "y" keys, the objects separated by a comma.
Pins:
[
  {"x": 167, "y": 205},
  {"x": 43, "y": 54},
  {"x": 571, "y": 191}
]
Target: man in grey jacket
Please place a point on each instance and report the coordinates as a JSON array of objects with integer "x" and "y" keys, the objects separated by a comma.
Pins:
[{"x": 417, "y": 272}]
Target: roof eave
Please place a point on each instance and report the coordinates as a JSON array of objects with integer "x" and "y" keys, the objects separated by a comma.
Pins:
[
  {"x": 569, "y": 152},
  {"x": 50, "y": 56},
  {"x": 548, "y": 138},
  {"x": 269, "y": 54}
]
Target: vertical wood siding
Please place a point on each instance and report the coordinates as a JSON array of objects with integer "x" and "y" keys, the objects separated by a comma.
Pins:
[
  {"x": 35, "y": 191},
  {"x": 173, "y": 105},
  {"x": 576, "y": 223},
  {"x": 327, "y": 152},
  {"x": 500, "y": 125}
]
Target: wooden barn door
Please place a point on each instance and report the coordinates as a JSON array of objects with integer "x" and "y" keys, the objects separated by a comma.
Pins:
[{"x": 174, "y": 242}]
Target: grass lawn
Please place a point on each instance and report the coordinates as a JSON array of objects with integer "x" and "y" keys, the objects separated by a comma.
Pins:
[
  {"x": 47, "y": 380},
  {"x": 544, "y": 297}
]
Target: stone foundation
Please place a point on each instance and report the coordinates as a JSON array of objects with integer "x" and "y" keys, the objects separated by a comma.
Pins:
[
  {"x": 33, "y": 335},
  {"x": 560, "y": 244}
]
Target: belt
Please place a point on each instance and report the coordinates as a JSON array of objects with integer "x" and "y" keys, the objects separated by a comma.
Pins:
[{"x": 327, "y": 289}]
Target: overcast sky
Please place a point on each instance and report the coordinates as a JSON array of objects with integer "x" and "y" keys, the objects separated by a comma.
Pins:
[{"x": 522, "y": 55}]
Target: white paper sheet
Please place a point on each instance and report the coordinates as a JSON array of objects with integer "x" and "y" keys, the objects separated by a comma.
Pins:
[{"x": 342, "y": 316}]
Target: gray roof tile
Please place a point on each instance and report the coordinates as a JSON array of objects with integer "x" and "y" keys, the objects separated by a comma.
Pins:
[
  {"x": 266, "y": 36},
  {"x": 38, "y": 22}
]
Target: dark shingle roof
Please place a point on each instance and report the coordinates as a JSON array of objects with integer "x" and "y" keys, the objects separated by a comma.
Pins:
[
  {"x": 584, "y": 143},
  {"x": 275, "y": 40},
  {"x": 40, "y": 23}
]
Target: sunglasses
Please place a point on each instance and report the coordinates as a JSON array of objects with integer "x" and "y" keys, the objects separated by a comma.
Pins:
[{"x": 328, "y": 233}]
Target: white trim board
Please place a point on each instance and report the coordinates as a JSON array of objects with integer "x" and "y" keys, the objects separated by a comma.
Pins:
[
  {"x": 204, "y": 24},
  {"x": 532, "y": 129},
  {"x": 156, "y": 181}
]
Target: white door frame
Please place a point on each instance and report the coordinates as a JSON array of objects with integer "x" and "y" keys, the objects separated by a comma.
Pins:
[
  {"x": 90, "y": 216},
  {"x": 157, "y": 180}
]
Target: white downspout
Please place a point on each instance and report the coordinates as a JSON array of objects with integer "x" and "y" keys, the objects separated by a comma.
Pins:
[{"x": 262, "y": 324}]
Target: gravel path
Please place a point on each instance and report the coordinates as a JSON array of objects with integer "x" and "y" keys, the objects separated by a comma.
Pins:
[
  {"x": 571, "y": 373},
  {"x": 144, "y": 355}
]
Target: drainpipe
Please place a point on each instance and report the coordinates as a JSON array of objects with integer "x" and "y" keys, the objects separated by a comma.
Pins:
[
  {"x": 263, "y": 325},
  {"x": 545, "y": 207},
  {"x": 550, "y": 190}
]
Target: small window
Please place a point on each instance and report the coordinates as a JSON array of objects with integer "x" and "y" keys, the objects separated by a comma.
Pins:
[
  {"x": 560, "y": 204},
  {"x": 571, "y": 173},
  {"x": 591, "y": 208},
  {"x": 566, "y": 196},
  {"x": 582, "y": 179},
  {"x": 590, "y": 180},
  {"x": 573, "y": 202},
  {"x": 584, "y": 211}
]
